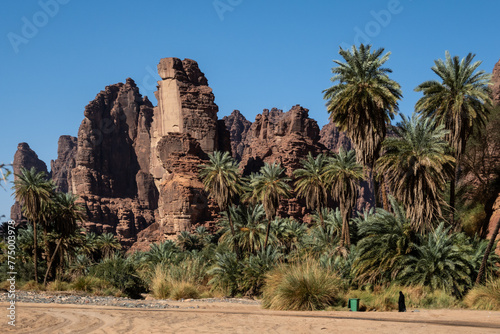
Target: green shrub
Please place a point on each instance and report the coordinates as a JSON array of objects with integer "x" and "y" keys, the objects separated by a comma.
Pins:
[
  {"x": 226, "y": 273},
  {"x": 484, "y": 297},
  {"x": 121, "y": 273},
  {"x": 192, "y": 270},
  {"x": 301, "y": 286},
  {"x": 90, "y": 284}
]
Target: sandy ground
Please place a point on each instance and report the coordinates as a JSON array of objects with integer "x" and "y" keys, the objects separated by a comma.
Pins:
[{"x": 236, "y": 318}]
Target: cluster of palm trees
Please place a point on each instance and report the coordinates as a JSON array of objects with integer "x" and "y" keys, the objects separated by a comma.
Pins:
[
  {"x": 321, "y": 176},
  {"x": 58, "y": 214},
  {"x": 52, "y": 210},
  {"x": 427, "y": 149},
  {"x": 415, "y": 164}
]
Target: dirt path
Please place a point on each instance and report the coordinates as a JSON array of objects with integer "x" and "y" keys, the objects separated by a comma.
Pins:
[{"x": 224, "y": 318}]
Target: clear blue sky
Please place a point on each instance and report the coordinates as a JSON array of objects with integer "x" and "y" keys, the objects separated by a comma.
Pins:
[{"x": 256, "y": 54}]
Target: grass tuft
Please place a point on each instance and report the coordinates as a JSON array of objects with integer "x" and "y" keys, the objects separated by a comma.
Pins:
[
  {"x": 159, "y": 286},
  {"x": 184, "y": 290},
  {"x": 58, "y": 285},
  {"x": 33, "y": 286},
  {"x": 484, "y": 297},
  {"x": 302, "y": 286}
]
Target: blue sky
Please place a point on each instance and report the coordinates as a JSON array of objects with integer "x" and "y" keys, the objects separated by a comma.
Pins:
[{"x": 256, "y": 54}]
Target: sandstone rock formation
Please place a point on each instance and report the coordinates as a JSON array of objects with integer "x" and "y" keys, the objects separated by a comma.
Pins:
[
  {"x": 280, "y": 137},
  {"x": 238, "y": 127},
  {"x": 334, "y": 139},
  {"x": 111, "y": 172},
  {"x": 24, "y": 157},
  {"x": 65, "y": 162},
  {"x": 136, "y": 166},
  {"x": 185, "y": 130}
]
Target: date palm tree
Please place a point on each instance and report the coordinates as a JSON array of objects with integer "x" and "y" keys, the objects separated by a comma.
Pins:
[
  {"x": 310, "y": 183},
  {"x": 439, "y": 263},
  {"x": 386, "y": 240},
  {"x": 248, "y": 223},
  {"x": 363, "y": 100},
  {"x": 108, "y": 244},
  {"x": 66, "y": 213},
  {"x": 459, "y": 101},
  {"x": 417, "y": 164},
  {"x": 343, "y": 175},
  {"x": 268, "y": 187},
  {"x": 33, "y": 190},
  {"x": 222, "y": 180}
]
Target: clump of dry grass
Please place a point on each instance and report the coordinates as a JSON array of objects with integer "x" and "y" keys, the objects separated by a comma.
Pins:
[
  {"x": 184, "y": 290},
  {"x": 159, "y": 286},
  {"x": 58, "y": 285},
  {"x": 484, "y": 297},
  {"x": 33, "y": 286},
  {"x": 301, "y": 286},
  {"x": 173, "y": 282}
]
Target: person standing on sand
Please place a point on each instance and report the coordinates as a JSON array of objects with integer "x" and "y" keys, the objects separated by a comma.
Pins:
[{"x": 402, "y": 305}]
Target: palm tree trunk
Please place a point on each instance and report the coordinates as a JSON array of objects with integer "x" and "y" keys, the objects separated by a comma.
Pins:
[
  {"x": 375, "y": 187},
  {"x": 383, "y": 190},
  {"x": 35, "y": 253},
  {"x": 236, "y": 246},
  {"x": 50, "y": 262},
  {"x": 482, "y": 269},
  {"x": 321, "y": 219},
  {"x": 46, "y": 243},
  {"x": 345, "y": 239},
  {"x": 452, "y": 196},
  {"x": 267, "y": 232}
]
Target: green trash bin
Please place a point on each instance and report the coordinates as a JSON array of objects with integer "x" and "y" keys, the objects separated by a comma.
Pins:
[{"x": 353, "y": 304}]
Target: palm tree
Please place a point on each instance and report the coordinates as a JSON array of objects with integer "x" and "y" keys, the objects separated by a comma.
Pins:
[
  {"x": 188, "y": 242},
  {"x": 417, "y": 164},
  {"x": 222, "y": 180},
  {"x": 386, "y": 240},
  {"x": 250, "y": 230},
  {"x": 89, "y": 245},
  {"x": 364, "y": 100},
  {"x": 459, "y": 102},
  {"x": 269, "y": 187},
  {"x": 323, "y": 239},
  {"x": 33, "y": 190},
  {"x": 289, "y": 233},
  {"x": 343, "y": 175},
  {"x": 438, "y": 263},
  {"x": 162, "y": 253},
  {"x": 107, "y": 244},
  {"x": 310, "y": 183},
  {"x": 66, "y": 213}
]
